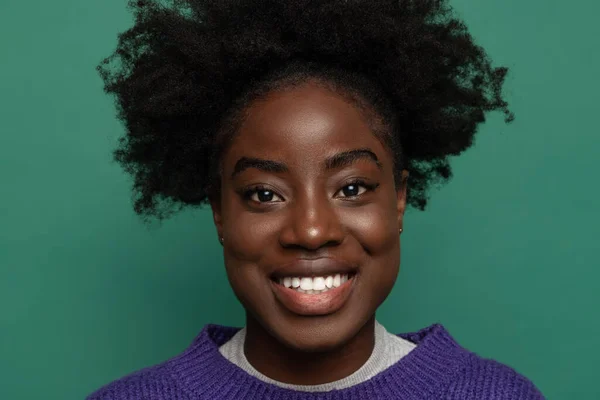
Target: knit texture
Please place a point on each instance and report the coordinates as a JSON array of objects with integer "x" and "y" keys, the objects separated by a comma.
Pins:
[{"x": 438, "y": 368}]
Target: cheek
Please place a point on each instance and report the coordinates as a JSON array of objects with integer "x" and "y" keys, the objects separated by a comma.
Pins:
[
  {"x": 242, "y": 263},
  {"x": 249, "y": 236},
  {"x": 247, "y": 233},
  {"x": 374, "y": 227},
  {"x": 376, "y": 231}
]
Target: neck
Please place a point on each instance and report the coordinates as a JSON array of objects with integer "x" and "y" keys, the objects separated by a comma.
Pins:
[{"x": 279, "y": 362}]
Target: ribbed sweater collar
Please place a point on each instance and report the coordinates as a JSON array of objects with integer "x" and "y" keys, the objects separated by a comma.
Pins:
[{"x": 203, "y": 372}]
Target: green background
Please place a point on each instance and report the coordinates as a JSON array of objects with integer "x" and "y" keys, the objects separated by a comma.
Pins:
[{"x": 506, "y": 256}]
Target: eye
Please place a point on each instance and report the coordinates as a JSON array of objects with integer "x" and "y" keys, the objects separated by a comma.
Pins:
[
  {"x": 261, "y": 194},
  {"x": 357, "y": 188}
]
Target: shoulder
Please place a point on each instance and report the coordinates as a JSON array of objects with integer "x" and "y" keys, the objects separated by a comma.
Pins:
[
  {"x": 484, "y": 379},
  {"x": 151, "y": 383},
  {"x": 177, "y": 378}
]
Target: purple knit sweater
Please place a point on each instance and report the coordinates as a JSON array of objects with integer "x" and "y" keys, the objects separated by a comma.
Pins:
[{"x": 438, "y": 368}]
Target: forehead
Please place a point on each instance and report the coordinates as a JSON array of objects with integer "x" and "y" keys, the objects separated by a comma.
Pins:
[{"x": 303, "y": 125}]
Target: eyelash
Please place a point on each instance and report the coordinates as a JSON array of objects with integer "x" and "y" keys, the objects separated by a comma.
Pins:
[{"x": 370, "y": 187}]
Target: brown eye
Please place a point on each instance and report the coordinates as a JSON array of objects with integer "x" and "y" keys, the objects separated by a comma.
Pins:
[
  {"x": 262, "y": 195},
  {"x": 352, "y": 190},
  {"x": 357, "y": 188}
]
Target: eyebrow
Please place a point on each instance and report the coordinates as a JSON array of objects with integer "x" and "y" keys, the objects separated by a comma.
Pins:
[{"x": 336, "y": 161}]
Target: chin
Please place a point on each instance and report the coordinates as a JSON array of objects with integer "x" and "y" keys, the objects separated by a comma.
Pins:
[{"x": 318, "y": 334}]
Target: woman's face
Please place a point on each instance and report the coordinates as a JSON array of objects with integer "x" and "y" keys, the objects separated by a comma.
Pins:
[{"x": 308, "y": 198}]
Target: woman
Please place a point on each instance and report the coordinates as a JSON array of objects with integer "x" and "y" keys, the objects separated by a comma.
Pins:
[{"x": 308, "y": 127}]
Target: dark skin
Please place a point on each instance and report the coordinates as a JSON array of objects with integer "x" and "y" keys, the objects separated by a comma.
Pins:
[{"x": 308, "y": 208}]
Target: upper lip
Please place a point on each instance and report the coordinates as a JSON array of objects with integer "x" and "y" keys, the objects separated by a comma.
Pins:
[{"x": 323, "y": 266}]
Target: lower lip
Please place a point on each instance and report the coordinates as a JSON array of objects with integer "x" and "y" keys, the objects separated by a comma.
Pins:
[{"x": 314, "y": 304}]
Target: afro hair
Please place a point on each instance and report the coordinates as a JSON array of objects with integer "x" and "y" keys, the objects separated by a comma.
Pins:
[{"x": 182, "y": 73}]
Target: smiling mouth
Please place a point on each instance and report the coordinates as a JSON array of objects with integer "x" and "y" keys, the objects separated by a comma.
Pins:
[
  {"x": 316, "y": 295},
  {"x": 315, "y": 284}
]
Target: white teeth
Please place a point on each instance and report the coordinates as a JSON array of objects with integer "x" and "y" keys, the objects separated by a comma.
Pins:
[
  {"x": 336, "y": 280},
  {"x": 318, "y": 283},
  {"x": 306, "y": 284}
]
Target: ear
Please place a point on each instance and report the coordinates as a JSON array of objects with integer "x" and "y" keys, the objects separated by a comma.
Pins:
[
  {"x": 401, "y": 198},
  {"x": 215, "y": 205}
]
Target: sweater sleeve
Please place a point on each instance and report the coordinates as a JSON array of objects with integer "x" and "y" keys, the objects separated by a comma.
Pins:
[{"x": 483, "y": 379}]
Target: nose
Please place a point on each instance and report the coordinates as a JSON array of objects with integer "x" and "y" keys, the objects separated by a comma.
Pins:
[{"x": 312, "y": 223}]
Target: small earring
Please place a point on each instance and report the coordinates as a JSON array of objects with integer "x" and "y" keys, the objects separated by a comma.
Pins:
[
  {"x": 221, "y": 239},
  {"x": 400, "y": 230}
]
